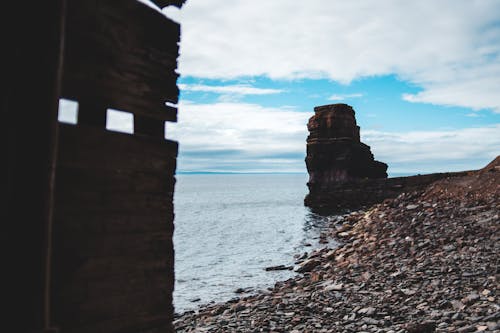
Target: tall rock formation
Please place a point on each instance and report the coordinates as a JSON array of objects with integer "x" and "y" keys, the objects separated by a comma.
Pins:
[
  {"x": 343, "y": 174},
  {"x": 335, "y": 153}
]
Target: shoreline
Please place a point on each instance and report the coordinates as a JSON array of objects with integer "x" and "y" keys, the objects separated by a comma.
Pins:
[
  {"x": 310, "y": 245},
  {"x": 214, "y": 258},
  {"x": 426, "y": 261}
]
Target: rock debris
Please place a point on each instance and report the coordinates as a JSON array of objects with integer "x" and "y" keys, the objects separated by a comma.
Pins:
[{"x": 426, "y": 261}]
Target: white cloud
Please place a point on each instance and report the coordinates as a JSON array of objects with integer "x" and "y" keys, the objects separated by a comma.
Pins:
[
  {"x": 435, "y": 151},
  {"x": 248, "y": 128},
  {"x": 450, "y": 48},
  {"x": 239, "y": 136},
  {"x": 473, "y": 115},
  {"x": 249, "y": 137},
  {"x": 238, "y": 89},
  {"x": 337, "y": 97}
]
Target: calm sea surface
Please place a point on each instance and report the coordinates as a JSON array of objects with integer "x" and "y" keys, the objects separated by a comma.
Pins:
[{"x": 229, "y": 228}]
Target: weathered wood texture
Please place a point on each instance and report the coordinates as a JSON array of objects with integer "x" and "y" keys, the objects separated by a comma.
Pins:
[
  {"x": 113, "y": 258},
  {"x": 164, "y": 3},
  {"x": 122, "y": 55},
  {"x": 112, "y": 229},
  {"x": 113, "y": 224}
]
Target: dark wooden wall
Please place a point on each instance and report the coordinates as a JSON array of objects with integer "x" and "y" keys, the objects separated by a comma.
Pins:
[
  {"x": 113, "y": 252},
  {"x": 99, "y": 203}
]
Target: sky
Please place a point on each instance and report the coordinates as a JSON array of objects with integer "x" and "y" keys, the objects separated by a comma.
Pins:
[{"x": 423, "y": 77}]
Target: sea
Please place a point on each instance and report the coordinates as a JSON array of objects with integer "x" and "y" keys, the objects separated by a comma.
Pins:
[{"x": 230, "y": 227}]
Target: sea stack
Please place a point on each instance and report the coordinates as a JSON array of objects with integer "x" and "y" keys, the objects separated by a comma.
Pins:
[{"x": 335, "y": 153}]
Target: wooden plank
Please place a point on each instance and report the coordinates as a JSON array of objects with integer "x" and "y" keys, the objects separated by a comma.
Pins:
[
  {"x": 92, "y": 114},
  {"x": 138, "y": 223},
  {"x": 129, "y": 304},
  {"x": 120, "y": 180},
  {"x": 101, "y": 277},
  {"x": 123, "y": 55},
  {"x": 114, "y": 222},
  {"x": 114, "y": 216},
  {"x": 140, "y": 322},
  {"x": 164, "y": 3},
  {"x": 117, "y": 280},
  {"x": 96, "y": 246},
  {"x": 88, "y": 147},
  {"x": 117, "y": 273},
  {"x": 148, "y": 126},
  {"x": 101, "y": 202}
]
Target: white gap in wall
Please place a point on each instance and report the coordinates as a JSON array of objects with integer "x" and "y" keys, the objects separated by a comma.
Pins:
[
  {"x": 119, "y": 121},
  {"x": 171, "y": 125},
  {"x": 68, "y": 111}
]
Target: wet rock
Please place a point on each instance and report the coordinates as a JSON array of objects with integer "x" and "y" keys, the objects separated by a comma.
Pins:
[
  {"x": 465, "y": 329},
  {"x": 308, "y": 265},
  {"x": 334, "y": 287},
  {"x": 457, "y": 305},
  {"x": 368, "y": 311},
  {"x": 278, "y": 268},
  {"x": 492, "y": 326},
  {"x": 242, "y": 290},
  {"x": 426, "y": 327},
  {"x": 471, "y": 298}
]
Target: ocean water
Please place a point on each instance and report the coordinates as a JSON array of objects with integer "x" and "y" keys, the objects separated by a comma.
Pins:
[{"x": 230, "y": 227}]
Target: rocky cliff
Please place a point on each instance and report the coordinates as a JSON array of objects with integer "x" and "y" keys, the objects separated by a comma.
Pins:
[
  {"x": 343, "y": 174},
  {"x": 334, "y": 150},
  {"x": 335, "y": 154}
]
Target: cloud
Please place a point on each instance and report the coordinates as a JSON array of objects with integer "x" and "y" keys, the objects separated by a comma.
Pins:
[
  {"x": 449, "y": 48},
  {"x": 343, "y": 97},
  {"x": 435, "y": 151},
  {"x": 472, "y": 115},
  {"x": 239, "y": 137},
  {"x": 238, "y": 89},
  {"x": 251, "y": 138},
  {"x": 249, "y": 128}
]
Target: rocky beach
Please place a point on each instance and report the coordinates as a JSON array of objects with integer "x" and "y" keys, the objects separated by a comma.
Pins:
[{"x": 425, "y": 261}]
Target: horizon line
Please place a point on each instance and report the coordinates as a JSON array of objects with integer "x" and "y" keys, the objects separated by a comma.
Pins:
[{"x": 390, "y": 175}]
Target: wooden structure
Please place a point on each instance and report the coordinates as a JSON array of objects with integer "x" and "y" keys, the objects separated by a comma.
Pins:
[{"x": 89, "y": 212}]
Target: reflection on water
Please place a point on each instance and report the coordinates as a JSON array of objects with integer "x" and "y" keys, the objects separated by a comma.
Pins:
[{"x": 229, "y": 228}]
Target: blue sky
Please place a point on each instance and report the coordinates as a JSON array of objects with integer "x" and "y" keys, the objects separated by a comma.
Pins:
[
  {"x": 423, "y": 77},
  {"x": 378, "y": 100},
  {"x": 240, "y": 125}
]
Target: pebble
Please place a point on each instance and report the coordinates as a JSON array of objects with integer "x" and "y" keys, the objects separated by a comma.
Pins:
[{"x": 420, "y": 263}]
